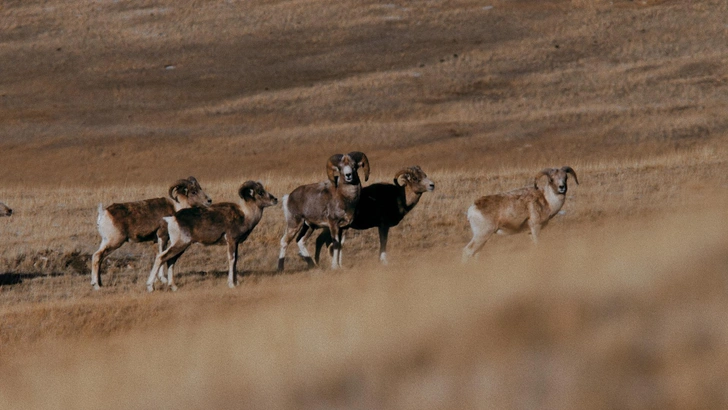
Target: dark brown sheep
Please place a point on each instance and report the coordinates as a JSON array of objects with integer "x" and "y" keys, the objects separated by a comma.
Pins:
[
  {"x": 329, "y": 204},
  {"x": 382, "y": 206},
  {"x": 141, "y": 221},
  {"x": 225, "y": 222}
]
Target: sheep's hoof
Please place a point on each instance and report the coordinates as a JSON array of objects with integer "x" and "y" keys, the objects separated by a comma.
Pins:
[
  {"x": 231, "y": 285},
  {"x": 383, "y": 259},
  {"x": 150, "y": 287},
  {"x": 309, "y": 262},
  {"x": 173, "y": 288},
  {"x": 96, "y": 286}
]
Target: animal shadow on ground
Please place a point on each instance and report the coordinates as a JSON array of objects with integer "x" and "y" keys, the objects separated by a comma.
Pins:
[
  {"x": 13, "y": 278},
  {"x": 246, "y": 274}
]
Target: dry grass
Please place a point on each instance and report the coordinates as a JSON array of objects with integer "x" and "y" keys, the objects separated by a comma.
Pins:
[
  {"x": 85, "y": 87},
  {"x": 597, "y": 319},
  {"x": 622, "y": 306}
]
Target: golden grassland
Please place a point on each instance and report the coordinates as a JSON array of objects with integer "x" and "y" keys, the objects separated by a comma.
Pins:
[
  {"x": 88, "y": 87},
  {"x": 622, "y": 304},
  {"x": 600, "y": 318}
]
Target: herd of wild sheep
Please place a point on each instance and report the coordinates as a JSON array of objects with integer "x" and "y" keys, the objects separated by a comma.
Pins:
[{"x": 189, "y": 216}]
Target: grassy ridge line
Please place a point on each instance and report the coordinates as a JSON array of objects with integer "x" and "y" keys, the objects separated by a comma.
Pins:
[{"x": 615, "y": 309}]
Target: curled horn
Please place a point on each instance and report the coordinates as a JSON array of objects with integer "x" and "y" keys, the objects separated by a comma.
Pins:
[
  {"x": 332, "y": 168},
  {"x": 182, "y": 184},
  {"x": 247, "y": 190},
  {"x": 401, "y": 172},
  {"x": 362, "y": 162},
  {"x": 193, "y": 181},
  {"x": 570, "y": 170},
  {"x": 541, "y": 173}
]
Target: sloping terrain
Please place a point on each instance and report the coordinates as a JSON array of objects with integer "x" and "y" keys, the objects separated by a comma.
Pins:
[{"x": 622, "y": 305}]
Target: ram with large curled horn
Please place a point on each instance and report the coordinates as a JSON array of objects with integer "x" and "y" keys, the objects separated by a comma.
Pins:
[
  {"x": 185, "y": 188},
  {"x": 142, "y": 221},
  {"x": 330, "y": 204},
  {"x": 514, "y": 211},
  {"x": 382, "y": 206},
  {"x": 549, "y": 172},
  {"x": 340, "y": 165}
]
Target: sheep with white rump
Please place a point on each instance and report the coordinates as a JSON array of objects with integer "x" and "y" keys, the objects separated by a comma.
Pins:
[
  {"x": 511, "y": 212},
  {"x": 141, "y": 221}
]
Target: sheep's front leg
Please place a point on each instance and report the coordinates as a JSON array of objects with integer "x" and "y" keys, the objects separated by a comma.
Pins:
[
  {"x": 534, "y": 223},
  {"x": 535, "y": 230},
  {"x": 342, "y": 238},
  {"x": 324, "y": 239},
  {"x": 232, "y": 261},
  {"x": 336, "y": 245},
  {"x": 172, "y": 253},
  {"x": 161, "y": 274},
  {"x": 153, "y": 273}
]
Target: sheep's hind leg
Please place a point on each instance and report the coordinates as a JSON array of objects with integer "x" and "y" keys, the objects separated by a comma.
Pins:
[
  {"x": 288, "y": 236},
  {"x": 482, "y": 231},
  {"x": 171, "y": 252},
  {"x": 105, "y": 248},
  {"x": 306, "y": 232},
  {"x": 336, "y": 246},
  {"x": 232, "y": 261}
]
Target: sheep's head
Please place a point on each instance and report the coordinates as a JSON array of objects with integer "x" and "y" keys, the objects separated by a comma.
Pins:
[
  {"x": 415, "y": 178},
  {"x": 556, "y": 178},
  {"x": 345, "y": 166},
  {"x": 254, "y": 191},
  {"x": 189, "y": 191},
  {"x": 5, "y": 210}
]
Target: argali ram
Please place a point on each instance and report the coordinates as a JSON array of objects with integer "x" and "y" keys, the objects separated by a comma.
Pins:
[
  {"x": 510, "y": 212},
  {"x": 141, "y": 221},
  {"x": 383, "y": 206},
  {"x": 224, "y": 222},
  {"x": 330, "y": 204}
]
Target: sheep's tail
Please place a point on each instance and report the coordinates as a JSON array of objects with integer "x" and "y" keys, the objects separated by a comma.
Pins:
[{"x": 100, "y": 214}]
